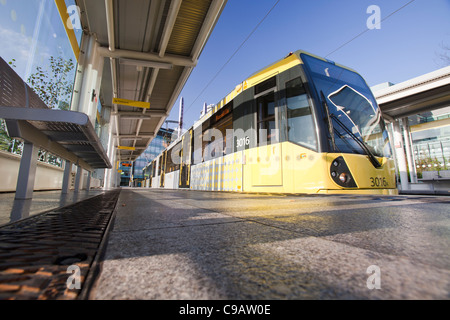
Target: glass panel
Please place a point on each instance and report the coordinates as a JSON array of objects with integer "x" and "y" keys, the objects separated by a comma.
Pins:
[
  {"x": 266, "y": 85},
  {"x": 431, "y": 145},
  {"x": 356, "y": 118},
  {"x": 35, "y": 44},
  {"x": 218, "y": 134},
  {"x": 186, "y": 146},
  {"x": 173, "y": 158},
  {"x": 301, "y": 128},
  {"x": 74, "y": 15},
  {"x": 37, "y": 47},
  {"x": 266, "y": 119}
]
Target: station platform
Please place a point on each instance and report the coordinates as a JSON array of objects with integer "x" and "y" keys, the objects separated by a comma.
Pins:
[{"x": 194, "y": 245}]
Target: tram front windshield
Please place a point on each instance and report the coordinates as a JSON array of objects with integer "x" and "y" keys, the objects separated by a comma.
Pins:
[{"x": 355, "y": 117}]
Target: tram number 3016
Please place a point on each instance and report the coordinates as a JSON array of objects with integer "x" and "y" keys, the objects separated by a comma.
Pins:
[
  {"x": 378, "y": 182},
  {"x": 243, "y": 142}
]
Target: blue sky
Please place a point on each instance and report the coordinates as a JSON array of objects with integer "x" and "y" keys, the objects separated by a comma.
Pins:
[
  {"x": 407, "y": 45},
  {"x": 18, "y": 21}
]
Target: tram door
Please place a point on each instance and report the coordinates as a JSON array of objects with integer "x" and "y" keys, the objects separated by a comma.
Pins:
[{"x": 266, "y": 167}]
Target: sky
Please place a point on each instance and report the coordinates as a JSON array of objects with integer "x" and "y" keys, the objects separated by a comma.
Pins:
[
  {"x": 407, "y": 45},
  {"x": 31, "y": 32}
]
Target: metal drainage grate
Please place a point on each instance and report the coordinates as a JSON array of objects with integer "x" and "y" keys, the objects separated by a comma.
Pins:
[{"x": 35, "y": 253}]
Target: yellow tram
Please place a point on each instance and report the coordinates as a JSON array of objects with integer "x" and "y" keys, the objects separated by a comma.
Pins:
[{"x": 304, "y": 124}]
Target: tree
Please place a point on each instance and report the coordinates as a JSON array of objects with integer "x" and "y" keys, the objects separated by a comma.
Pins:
[
  {"x": 54, "y": 87},
  {"x": 5, "y": 140}
]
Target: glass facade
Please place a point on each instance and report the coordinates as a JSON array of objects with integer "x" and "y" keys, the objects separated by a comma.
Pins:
[
  {"x": 430, "y": 135},
  {"x": 125, "y": 171}
]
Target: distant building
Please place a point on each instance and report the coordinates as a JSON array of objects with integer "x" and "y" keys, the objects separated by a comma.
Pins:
[
  {"x": 421, "y": 109},
  {"x": 158, "y": 144}
]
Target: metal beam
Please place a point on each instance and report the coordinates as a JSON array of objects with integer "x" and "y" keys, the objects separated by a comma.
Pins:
[
  {"x": 168, "y": 27},
  {"x": 145, "y": 64},
  {"x": 149, "y": 57},
  {"x": 211, "y": 18},
  {"x": 148, "y": 113},
  {"x": 143, "y": 136},
  {"x": 110, "y": 24}
]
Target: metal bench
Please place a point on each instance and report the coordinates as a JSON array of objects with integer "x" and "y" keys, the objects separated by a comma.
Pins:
[{"x": 67, "y": 134}]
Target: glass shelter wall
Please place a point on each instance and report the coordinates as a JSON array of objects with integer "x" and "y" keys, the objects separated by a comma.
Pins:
[
  {"x": 430, "y": 135},
  {"x": 33, "y": 40}
]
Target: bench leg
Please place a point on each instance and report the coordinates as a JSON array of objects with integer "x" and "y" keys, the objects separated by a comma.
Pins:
[
  {"x": 66, "y": 178},
  {"x": 78, "y": 179},
  {"x": 27, "y": 172}
]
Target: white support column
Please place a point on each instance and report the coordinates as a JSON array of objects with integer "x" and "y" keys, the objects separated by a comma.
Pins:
[
  {"x": 90, "y": 79},
  {"x": 400, "y": 156},
  {"x": 409, "y": 151},
  {"x": 66, "y": 177},
  {"x": 111, "y": 155},
  {"x": 27, "y": 172},
  {"x": 78, "y": 178}
]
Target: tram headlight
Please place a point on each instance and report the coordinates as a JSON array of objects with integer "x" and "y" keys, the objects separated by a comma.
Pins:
[
  {"x": 343, "y": 177},
  {"x": 340, "y": 173}
]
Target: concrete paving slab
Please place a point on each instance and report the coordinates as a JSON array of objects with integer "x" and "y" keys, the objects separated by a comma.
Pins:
[{"x": 170, "y": 245}]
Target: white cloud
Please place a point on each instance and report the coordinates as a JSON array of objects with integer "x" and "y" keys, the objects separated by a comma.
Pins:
[{"x": 16, "y": 45}]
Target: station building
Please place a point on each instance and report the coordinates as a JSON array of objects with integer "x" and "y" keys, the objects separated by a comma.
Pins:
[{"x": 418, "y": 111}]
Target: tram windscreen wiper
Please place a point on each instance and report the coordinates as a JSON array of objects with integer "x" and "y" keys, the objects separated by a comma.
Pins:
[
  {"x": 330, "y": 124},
  {"x": 362, "y": 144}
]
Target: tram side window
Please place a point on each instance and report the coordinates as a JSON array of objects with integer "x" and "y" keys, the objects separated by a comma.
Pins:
[
  {"x": 266, "y": 119},
  {"x": 301, "y": 129},
  {"x": 197, "y": 156},
  {"x": 215, "y": 137},
  {"x": 223, "y": 125},
  {"x": 160, "y": 165},
  {"x": 173, "y": 158},
  {"x": 186, "y": 149},
  {"x": 153, "y": 169},
  {"x": 266, "y": 108}
]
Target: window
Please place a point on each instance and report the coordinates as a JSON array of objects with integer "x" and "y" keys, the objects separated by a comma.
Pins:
[
  {"x": 215, "y": 134},
  {"x": 266, "y": 119},
  {"x": 266, "y": 112},
  {"x": 160, "y": 167},
  {"x": 301, "y": 129},
  {"x": 173, "y": 158},
  {"x": 186, "y": 148},
  {"x": 225, "y": 123},
  {"x": 355, "y": 117},
  {"x": 266, "y": 85},
  {"x": 153, "y": 169},
  {"x": 197, "y": 155}
]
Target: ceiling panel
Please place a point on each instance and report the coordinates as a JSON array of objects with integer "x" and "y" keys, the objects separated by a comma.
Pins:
[{"x": 148, "y": 31}]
